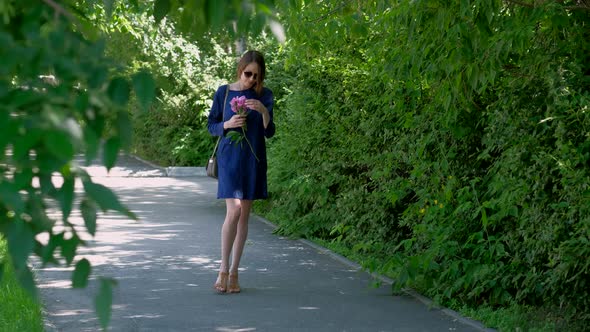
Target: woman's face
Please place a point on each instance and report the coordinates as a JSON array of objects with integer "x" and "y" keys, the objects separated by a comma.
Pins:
[{"x": 249, "y": 75}]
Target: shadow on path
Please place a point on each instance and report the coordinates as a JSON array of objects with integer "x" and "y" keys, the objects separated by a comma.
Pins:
[{"x": 165, "y": 265}]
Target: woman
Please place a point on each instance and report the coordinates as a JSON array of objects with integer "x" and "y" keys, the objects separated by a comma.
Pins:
[{"x": 241, "y": 165}]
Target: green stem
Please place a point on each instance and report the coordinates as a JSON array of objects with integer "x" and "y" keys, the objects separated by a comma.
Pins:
[{"x": 251, "y": 149}]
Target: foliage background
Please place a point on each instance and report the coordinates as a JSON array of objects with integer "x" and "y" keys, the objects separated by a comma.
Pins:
[{"x": 448, "y": 144}]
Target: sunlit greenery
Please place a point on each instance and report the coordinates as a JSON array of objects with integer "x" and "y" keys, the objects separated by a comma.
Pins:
[
  {"x": 445, "y": 144},
  {"x": 449, "y": 143}
]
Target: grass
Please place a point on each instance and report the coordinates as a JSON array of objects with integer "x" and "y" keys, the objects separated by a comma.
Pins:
[
  {"x": 521, "y": 318},
  {"x": 515, "y": 318},
  {"x": 18, "y": 311}
]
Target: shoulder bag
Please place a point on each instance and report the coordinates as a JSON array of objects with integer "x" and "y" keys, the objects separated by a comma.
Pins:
[{"x": 212, "y": 164}]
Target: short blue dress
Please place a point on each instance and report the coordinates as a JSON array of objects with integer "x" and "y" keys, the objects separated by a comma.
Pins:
[{"x": 240, "y": 174}]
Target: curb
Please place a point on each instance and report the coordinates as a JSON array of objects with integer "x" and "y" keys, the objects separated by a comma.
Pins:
[
  {"x": 163, "y": 169},
  {"x": 175, "y": 171},
  {"x": 426, "y": 301},
  {"x": 185, "y": 171}
]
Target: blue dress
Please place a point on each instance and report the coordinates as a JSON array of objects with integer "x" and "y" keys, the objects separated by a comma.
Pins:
[{"x": 240, "y": 174}]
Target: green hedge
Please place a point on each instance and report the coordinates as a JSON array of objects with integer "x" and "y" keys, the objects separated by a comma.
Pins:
[{"x": 449, "y": 141}]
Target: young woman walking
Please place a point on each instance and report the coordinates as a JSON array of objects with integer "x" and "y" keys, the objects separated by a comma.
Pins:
[{"x": 241, "y": 157}]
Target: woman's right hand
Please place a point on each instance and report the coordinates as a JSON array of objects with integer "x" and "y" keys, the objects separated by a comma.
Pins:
[{"x": 236, "y": 121}]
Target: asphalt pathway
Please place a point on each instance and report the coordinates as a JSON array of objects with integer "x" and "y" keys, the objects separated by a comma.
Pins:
[{"x": 166, "y": 263}]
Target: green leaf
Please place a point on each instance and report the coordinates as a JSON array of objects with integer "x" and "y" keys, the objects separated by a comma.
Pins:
[
  {"x": 97, "y": 77},
  {"x": 111, "y": 152},
  {"x": 21, "y": 242},
  {"x": 105, "y": 198},
  {"x": 263, "y": 8},
  {"x": 82, "y": 102},
  {"x": 215, "y": 12},
  {"x": 243, "y": 23},
  {"x": 68, "y": 249},
  {"x": 26, "y": 280},
  {"x": 8, "y": 129},
  {"x": 145, "y": 89},
  {"x": 55, "y": 241},
  {"x": 2, "y": 267},
  {"x": 25, "y": 98},
  {"x": 394, "y": 198},
  {"x": 26, "y": 141},
  {"x": 23, "y": 179},
  {"x": 66, "y": 196},
  {"x": 81, "y": 274},
  {"x": 484, "y": 217},
  {"x": 257, "y": 24},
  {"x": 104, "y": 300},
  {"x": 234, "y": 136},
  {"x": 161, "y": 9},
  {"x": 124, "y": 130},
  {"x": 92, "y": 145},
  {"x": 119, "y": 91},
  {"x": 89, "y": 215}
]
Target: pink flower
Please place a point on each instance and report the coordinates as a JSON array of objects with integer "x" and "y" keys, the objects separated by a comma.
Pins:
[{"x": 238, "y": 104}]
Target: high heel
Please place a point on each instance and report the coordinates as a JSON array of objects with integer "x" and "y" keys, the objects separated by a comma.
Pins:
[
  {"x": 221, "y": 283},
  {"x": 233, "y": 286}
]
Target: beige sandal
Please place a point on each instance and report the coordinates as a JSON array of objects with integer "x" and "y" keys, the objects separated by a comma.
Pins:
[
  {"x": 221, "y": 283},
  {"x": 233, "y": 286}
]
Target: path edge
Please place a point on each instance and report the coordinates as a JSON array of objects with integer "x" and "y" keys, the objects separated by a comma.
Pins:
[{"x": 423, "y": 299}]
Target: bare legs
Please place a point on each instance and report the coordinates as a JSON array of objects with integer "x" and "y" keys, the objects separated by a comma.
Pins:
[{"x": 233, "y": 237}]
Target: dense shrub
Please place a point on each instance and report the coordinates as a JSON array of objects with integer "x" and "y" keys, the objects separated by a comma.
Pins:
[
  {"x": 450, "y": 141},
  {"x": 187, "y": 74}
]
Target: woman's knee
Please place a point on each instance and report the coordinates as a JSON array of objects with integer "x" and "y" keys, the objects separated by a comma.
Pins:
[
  {"x": 246, "y": 207},
  {"x": 234, "y": 209}
]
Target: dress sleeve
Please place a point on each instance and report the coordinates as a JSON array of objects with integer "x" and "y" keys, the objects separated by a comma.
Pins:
[
  {"x": 268, "y": 102},
  {"x": 215, "y": 120}
]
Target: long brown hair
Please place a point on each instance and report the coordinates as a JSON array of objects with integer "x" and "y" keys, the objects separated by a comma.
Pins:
[{"x": 248, "y": 58}]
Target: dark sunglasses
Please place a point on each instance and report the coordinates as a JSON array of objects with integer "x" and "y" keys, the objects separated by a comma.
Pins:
[{"x": 249, "y": 74}]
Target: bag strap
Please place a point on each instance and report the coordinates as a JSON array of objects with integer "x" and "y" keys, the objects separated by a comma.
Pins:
[{"x": 222, "y": 115}]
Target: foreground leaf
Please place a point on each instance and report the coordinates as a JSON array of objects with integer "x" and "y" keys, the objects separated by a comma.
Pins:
[
  {"x": 105, "y": 198},
  {"x": 89, "y": 215},
  {"x": 27, "y": 281},
  {"x": 81, "y": 274},
  {"x": 145, "y": 89},
  {"x": 104, "y": 300}
]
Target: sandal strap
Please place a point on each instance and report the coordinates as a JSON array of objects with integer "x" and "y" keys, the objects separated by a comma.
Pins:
[
  {"x": 221, "y": 283},
  {"x": 234, "y": 285}
]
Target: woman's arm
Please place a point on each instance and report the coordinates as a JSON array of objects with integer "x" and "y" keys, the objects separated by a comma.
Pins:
[
  {"x": 215, "y": 119},
  {"x": 264, "y": 106}
]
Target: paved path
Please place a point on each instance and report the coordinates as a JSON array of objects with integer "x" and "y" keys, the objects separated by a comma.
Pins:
[{"x": 165, "y": 265}]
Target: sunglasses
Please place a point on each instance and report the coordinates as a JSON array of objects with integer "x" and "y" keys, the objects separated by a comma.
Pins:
[{"x": 249, "y": 74}]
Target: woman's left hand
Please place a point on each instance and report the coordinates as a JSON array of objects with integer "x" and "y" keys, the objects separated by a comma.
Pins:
[{"x": 255, "y": 104}]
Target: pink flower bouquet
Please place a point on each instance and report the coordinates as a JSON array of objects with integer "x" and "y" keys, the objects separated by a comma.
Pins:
[{"x": 238, "y": 106}]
